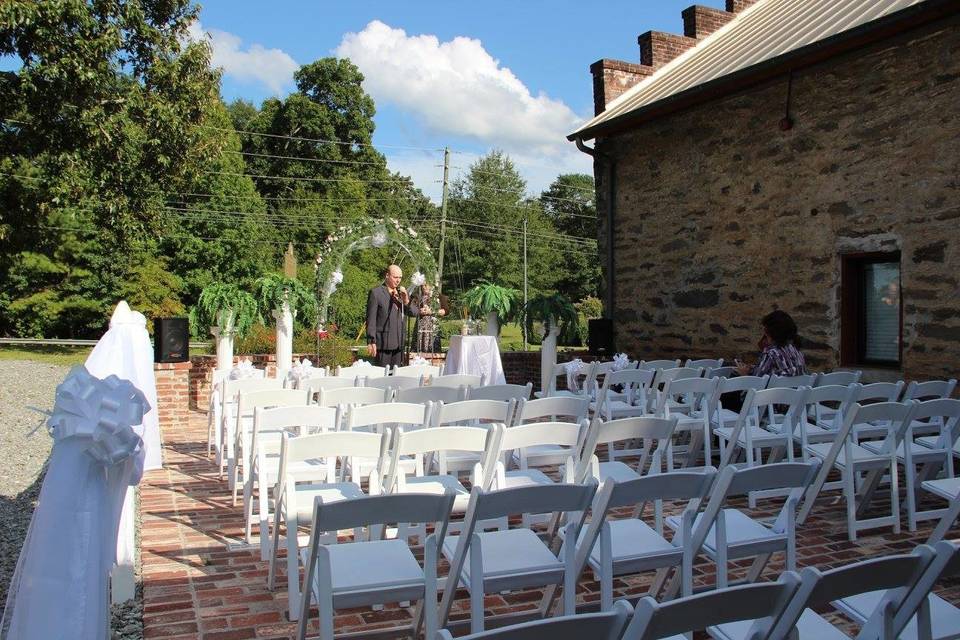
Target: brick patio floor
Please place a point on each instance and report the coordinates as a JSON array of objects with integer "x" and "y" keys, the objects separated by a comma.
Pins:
[{"x": 194, "y": 587}]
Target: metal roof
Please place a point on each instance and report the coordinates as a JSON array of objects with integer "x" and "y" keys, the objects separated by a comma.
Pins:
[{"x": 762, "y": 32}]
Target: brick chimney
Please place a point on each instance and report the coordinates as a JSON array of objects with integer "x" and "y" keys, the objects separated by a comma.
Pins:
[
  {"x": 657, "y": 48},
  {"x": 700, "y": 21},
  {"x": 736, "y": 6},
  {"x": 611, "y": 78}
]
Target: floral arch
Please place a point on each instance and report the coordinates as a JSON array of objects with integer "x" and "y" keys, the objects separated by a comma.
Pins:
[{"x": 364, "y": 234}]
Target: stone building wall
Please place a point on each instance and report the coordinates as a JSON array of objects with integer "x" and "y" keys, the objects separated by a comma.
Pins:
[{"x": 721, "y": 216}]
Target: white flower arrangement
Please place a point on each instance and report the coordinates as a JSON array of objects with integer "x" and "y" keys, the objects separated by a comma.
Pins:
[{"x": 417, "y": 279}]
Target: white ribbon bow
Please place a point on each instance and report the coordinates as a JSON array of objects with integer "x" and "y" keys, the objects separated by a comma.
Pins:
[
  {"x": 102, "y": 411},
  {"x": 621, "y": 361},
  {"x": 301, "y": 370},
  {"x": 244, "y": 369},
  {"x": 418, "y": 361},
  {"x": 573, "y": 368}
]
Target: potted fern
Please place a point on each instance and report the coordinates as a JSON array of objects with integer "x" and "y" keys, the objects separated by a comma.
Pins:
[
  {"x": 498, "y": 304},
  {"x": 283, "y": 298},
  {"x": 229, "y": 312},
  {"x": 555, "y": 311}
]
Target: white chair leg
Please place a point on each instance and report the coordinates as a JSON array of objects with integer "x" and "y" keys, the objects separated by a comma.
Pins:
[
  {"x": 910, "y": 480},
  {"x": 476, "y": 586},
  {"x": 895, "y": 495},
  {"x": 946, "y": 522},
  {"x": 248, "y": 512},
  {"x": 849, "y": 488},
  {"x": 429, "y": 607},
  {"x": 263, "y": 516},
  {"x": 324, "y": 597},
  {"x": 293, "y": 569}
]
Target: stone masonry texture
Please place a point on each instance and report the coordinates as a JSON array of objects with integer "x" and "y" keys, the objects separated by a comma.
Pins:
[{"x": 721, "y": 216}]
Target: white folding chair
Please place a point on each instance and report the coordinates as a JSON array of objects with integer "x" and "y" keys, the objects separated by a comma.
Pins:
[
  {"x": 469, "y": 413},
  {"x": 526, "y": 443},
  {"x": 870, "y": 394},
  {"x": 723, "y": 417},
  {"x": 229, "y": 391},
  {"x": 656, "y": 433},
  {"x": 343, "y": 398},
  {"x": 930, "y": 390},
  {"x": 391, "y": 384},
  {"x": 726, "y": 534},
  {"x": 361, "y": 371},
  {"x": 633, "y": 399},
  {"x": 214, "y": 407},
  {"x": 748, "y": 435},
  {"x": 720, "y": 372},
  {"x": 949, "y": 490},
  {"x": 559, "y": 408},
  {"x": 852, "y": 459},
  {"x": 501, "y": 392},
  {"x": 691, "y": 400},
  {"x": 375, "y": 418},
  {"x": 366, "y": 572},
  {"x": 493, "y": 561},
  {"x": 930, "y": 459},
  {"x": 629, "y": 546},
  {"x": 841, "y": 378},
  {"x": 418, "y": 370},
  {"x": 922, "y": 614},
  {"x": 294, "y": 495},
  {"x": 574, "y": 389},
  {"x": 247, "y": 404},
  {"x": 457, "y": 380},
  {"x": 420, "y": 395},
  {"x": 606, "y": 625},
  {"x": 791, "y": 382},
  {"x": 314, "y": 385},
  {"x": 890, "y": 576},
  {"x": 677, "y": 619},
  {"x": 823, "y": 413},
  {"x": 269, "y": 424},
  {"x": 653, "y": 365},
  {"x": 704, "y": 363}
]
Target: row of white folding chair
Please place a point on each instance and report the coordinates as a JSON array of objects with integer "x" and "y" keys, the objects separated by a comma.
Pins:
[
  {"x": 238, "y": 416},
  {"x": 228, "y": 392},
  {"x": 885, "y": 596}
]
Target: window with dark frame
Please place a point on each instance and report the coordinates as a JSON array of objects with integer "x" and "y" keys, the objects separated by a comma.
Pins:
[{"x": 871, "y": 329}]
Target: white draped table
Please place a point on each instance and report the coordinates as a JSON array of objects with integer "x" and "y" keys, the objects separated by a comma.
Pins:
[{"x": 476, "y": 355}]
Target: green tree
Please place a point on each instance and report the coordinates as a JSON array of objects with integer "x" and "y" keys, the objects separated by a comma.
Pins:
[{"x": 569, "y": 204}]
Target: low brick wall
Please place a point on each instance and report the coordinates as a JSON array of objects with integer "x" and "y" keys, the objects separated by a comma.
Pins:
[{"x": 173, "y": 393}]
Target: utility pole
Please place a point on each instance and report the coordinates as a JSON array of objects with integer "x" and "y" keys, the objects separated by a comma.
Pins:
[
  {"x": 443, "y": 215},
  {"x": 524, "y": 321}
]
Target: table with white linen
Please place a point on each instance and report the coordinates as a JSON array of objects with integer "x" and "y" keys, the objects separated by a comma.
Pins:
[{"x": 475, "y": 355}]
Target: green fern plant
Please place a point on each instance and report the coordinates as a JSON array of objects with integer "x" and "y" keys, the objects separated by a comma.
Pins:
[
  {"x": 274, "y": 289},
  {"x": 486, "y": 297},
  {"x": 552, "y": 310},
  {"x": 223, "y": 305}
]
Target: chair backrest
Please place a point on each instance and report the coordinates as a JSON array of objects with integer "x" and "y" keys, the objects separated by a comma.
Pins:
[
  {"x": 819, "y": 588},
  {"x": 945, "y": 563},
  {"x": 605, "y": 625},
  {"x": 555, "y": 408},
  {"x": 231, "y": 388},
  {"x": 944, "y": 412},
  {"x": 564, "y": 498},
  {"x": 895, "y": 416},
  {"x": 756, "y": 404},
  {"x": 456, "y": 380},
  {"x": 930, "y": 390},
  {"x": 418, "y": 370},
  {"x": 843, "y": 378},
  {"x": 659, "y": 430},
  {"x": 653, "y": 620},
  {"x": 695, "y": 393},
  {"x": 742, "y": 383},
  {"x": 249, "y": 401},
  {"x": 419, "y": 443},
  {"x": 473, "y": 411},
  {"x": 392, "y": 383},
  {"x": 879, "y": 392},
  {"x": 653, "y": 365},
  {"x": 664, "y": 376},
  {"x": 704, "y": 363},
  {"x": 362, "y": 370},
  {"x": 313, "y": 385},
  {"x": 791, "y": 382},
  {"x": 564, "y": 434},
  {"x": 588, "y": 373},
  {"x": 501, "y": 392},
  {"x": 430, "y": 394},
  {"x": 350, "y": 395},
  {"x": 636, "y": 385},
  {"x": 306, "y": 419},
  {"x": 720, "y": 372},
  {"x": 343, "y": 444},
  {"x": 841, "y": 395},
  {"x": 405, "y": 414},
  {"x": 386, "y": 509}
]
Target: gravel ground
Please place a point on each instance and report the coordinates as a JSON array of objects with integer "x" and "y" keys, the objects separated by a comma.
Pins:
[
  {"x": 22, "y": 384},
  {"x": 26, "y": 383}
]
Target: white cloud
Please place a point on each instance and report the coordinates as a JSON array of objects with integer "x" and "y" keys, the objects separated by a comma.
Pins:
[
  {"x": 272, "y": 68},
  {"x": 458, "y": 88}
]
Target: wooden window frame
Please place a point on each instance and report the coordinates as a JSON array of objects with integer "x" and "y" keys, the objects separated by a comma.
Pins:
[{"x": 852, "y": 318}]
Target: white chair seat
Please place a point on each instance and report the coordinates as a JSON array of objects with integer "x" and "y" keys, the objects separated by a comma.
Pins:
[
  {"x": 818, "y": 433},
  {"x": 525, "y": 478},
  {"x": 742, "y": 531},
  {"x": 513, "y": 558},
  {"x": 546, "y": 454},
  {"x": 724, "y": 416},
  {"x": 328, "y": 492},
  {"x": 438, "y": 485},
  {"x": 947, "y": 488},
  {"x": 944, "y": 617},
  {"x": 686, "y": 422},
  {"x": 758, "y": 435},
  {"x": 371, "y": 566},
  {"x": 920, "y": 452},
  {"x": 635, "y": 546},
  {"x": 619, "y": 471},
  {"x": 861, "y": 456},
  {"x": 810, "y": 626}
]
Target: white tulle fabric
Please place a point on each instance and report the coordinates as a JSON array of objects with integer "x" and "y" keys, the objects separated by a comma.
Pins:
[
  {"x": 59, "y": 589},
  {"x": 574, "y": 368}
]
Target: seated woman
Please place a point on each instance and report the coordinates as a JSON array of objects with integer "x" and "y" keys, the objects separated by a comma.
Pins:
[{"x": 779, "y": 356}]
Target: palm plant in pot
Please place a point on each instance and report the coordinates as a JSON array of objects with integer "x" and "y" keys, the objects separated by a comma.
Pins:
[
  {"x": 284, "y": 298},
  {"x": 498, "y": 304},
  {"x": 229, "y": 312},
  {"x": 555, "y": 311}
]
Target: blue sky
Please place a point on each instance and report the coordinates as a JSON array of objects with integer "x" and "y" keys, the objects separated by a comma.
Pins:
[{"x": 471, "y": 76}]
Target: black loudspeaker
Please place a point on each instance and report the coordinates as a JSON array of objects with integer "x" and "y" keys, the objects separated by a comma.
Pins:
[
  {"x": 171, "y": 340},
  {"x": 600, "y": 336}
]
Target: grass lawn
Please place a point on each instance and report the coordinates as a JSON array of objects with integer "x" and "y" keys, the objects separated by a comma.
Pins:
[{"x": 62, "y": 355}]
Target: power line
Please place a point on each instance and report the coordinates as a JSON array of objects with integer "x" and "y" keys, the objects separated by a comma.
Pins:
[
  {"x": 319, "y": 140},
  {"x": 503, "y": 175},
  {"x": 318, "y": 160},
  {"x": 303, "y": 179}
]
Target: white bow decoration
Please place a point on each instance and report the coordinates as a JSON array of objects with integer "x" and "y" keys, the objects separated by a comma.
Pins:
[
  {"x": 244, "y": 369},
  {"x": 103, "y": 411},
  {"x": 573, "y": 368},
  {"x": 621, "y": 361},
  {"x": 301, "y": 370},
  {"x": 418, "y": 361},
  {"x": 417, "y": 279},
  {"x": 362, "y": 363}
]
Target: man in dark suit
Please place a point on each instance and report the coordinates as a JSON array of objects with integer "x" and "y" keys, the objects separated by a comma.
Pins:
[{"x": 386, "y": 307}]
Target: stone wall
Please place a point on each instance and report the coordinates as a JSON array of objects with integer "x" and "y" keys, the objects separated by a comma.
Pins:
[{"x": 722, "y": 216}]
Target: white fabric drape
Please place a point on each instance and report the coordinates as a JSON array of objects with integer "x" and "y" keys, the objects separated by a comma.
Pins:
[{"x": 475, "y": 355}]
